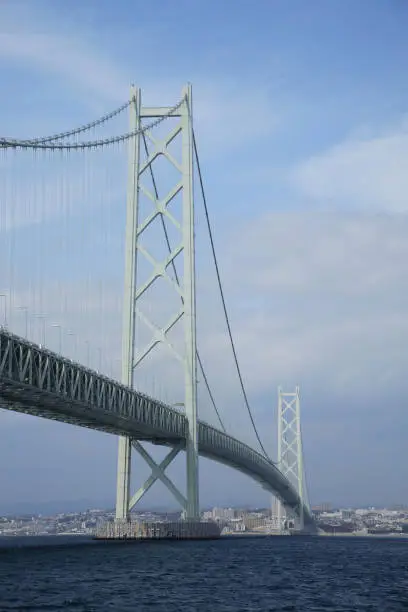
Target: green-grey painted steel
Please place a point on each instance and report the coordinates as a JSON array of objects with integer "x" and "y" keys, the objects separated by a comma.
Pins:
[
  {"x": 129, "y": 303},
  {"x": 189, "y": 304}
]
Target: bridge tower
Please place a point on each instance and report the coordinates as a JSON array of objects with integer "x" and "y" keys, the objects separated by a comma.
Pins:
[
  {"x": 134, "y": 289},
  {"x": 290, "y": 457}
]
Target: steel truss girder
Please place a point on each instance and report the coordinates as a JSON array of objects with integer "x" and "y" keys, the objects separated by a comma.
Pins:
[
  {"x": 157, "y": 474},
  {"x": 36, "y": 381}
]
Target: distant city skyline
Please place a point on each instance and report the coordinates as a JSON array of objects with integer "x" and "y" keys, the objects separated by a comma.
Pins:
[{"x": 81, "y": 505}]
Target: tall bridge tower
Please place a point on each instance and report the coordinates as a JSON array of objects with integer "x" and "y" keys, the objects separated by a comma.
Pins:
[
  {"x": 290, "y": 458},
  {"x": 140, "y": 170}
]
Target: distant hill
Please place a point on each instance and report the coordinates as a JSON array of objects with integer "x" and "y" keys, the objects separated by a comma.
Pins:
[
  {"x": 65, "y": 506},
  {"x": 52, "y": 507}
]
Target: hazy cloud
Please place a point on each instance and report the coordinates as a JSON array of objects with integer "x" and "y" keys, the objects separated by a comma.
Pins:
[{"x": 367, "y": 173}]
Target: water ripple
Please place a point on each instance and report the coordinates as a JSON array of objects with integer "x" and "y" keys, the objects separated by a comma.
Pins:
[{"x": 230, "y": 575}]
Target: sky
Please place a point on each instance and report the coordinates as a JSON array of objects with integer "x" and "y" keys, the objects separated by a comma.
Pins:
[{"x": 300, "y": 113}]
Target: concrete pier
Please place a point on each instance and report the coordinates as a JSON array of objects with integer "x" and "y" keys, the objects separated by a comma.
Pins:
[{"x": 143, "y": 530}]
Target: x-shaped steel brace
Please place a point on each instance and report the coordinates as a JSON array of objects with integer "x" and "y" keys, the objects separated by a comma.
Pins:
[
  {"x": 160, "y": 207},
  {"x": 159, "y": 335},
  {"x": 288, "y": 405},
  {"x": 290, "y": 468},
  {"x": 159, "y": 269},
  {"x": 160, "y": 148},
  {"x": 157, "y": 474},
  {"x": 289, "y": 445}
]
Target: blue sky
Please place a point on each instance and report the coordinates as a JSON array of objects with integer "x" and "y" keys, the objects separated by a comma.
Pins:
[{"x": 300, "y": 111}]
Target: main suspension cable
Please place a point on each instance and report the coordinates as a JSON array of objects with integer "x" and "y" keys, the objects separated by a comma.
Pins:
[
  {"x": 83, "y": 128},
  {"x": 15, "y": 143},
  {"x": 244, "y": 393},
  {"x": 166, "y": 234}
]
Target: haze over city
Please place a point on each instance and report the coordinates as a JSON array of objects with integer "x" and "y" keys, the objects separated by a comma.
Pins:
[{"x": 302, "y": 151}]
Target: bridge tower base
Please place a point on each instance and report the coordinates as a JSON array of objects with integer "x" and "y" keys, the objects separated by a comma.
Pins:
[
  {"x": 143, "y": 530},
  {"x": 134, "y": 289}
]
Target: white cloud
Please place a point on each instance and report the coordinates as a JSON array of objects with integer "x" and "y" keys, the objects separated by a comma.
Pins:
[
  {"x": 228, "y": 117},
  {"x": 320, "y": 298},
  {"x": 346, "y": 254},
  {"x": 64, "y": 58},
  {"x": 361, "y": 173}
]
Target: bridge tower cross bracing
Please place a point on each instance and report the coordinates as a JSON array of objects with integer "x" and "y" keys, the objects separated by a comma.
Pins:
[
  {"x": 290, "y": 455},
  {"x": 132, "y": 356}
]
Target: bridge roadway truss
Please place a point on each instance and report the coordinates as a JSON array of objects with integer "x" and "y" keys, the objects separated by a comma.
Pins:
[{"x": 36, "y": 381}]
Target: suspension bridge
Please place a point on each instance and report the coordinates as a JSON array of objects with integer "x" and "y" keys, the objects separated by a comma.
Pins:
[{"x": 64, "y": 355}]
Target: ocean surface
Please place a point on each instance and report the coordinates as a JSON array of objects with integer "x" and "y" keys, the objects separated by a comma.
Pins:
[{"x": 231, "y": 574}]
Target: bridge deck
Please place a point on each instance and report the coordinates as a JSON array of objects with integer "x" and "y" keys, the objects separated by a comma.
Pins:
[{"x": 37, "y": 381}]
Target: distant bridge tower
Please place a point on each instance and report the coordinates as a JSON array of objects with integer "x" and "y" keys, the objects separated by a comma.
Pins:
[
  {"x": 139, "y": 172},
  {"x": 290, "y": 458}
]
